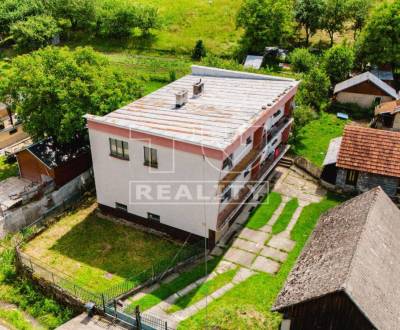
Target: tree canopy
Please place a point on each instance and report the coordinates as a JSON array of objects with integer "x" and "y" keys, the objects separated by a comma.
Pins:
[
  {"x": 302, "y": 60},
  {"x": 379, "y": 41},
  {"x": 338, "y": 63},
  {"x": 308, "y": 14},
  {"x": 51, "y": 89},
  {"x": 266, "y": 23},
  {"x": 335, "y": 15}
]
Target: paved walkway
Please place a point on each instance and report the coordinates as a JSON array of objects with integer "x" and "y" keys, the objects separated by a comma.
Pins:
[{"x": 251, "y": 250}]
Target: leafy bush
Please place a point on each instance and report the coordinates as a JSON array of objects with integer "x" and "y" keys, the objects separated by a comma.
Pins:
[
  {"x": 302, "y": 60},
  {"x": 314, "y": 89},
  {"x": 81, "y": 14},
  {"x": 12, "y": 11},
  {"x": 338, "y": 63},
  {"x": 352, "y": 109},
  {"x": 302, "y": 115},
  {"x": 35, "y": 32},
  {"x": 119, "y": 19},
  {"x": 199, "y": 51}
]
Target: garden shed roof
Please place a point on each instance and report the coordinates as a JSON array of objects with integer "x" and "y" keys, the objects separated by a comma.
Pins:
[
  {"x": 363, "y": 77},
  {"x": 370, "y": 150},
  {"x": 354, "y": 249},
  {"x": 333, "y": 151},
  {"x": 231, "y": 103}
]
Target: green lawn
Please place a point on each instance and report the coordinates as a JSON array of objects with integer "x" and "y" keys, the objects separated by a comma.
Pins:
[
  {"x": 7, "y": 170},
  {"x": 203, "y": 290},
  {"x": 313, "y": 139},
  {"x": 100, "y": 253},
  {"x": 285, "y": 217},
  {"x": 264, "y": 211},
  {"x": 247, "y": 305},
  {"x": 167, "y": 289}
]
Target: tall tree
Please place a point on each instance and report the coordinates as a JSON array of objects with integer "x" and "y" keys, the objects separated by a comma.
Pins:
[
  {"x": 379, "y": 41},
  {"x": 265, "y": 23},
  {"x": 308, "y": 14},
  {"x": 338, "y": 63},
  {"x": 359, "y": 11},
  {"x": 335, "y": 15},
  {"x": 51, "y": 89}
]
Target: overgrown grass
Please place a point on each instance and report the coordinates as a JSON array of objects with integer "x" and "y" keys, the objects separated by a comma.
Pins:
[
  {"x": 167, "y": 289},
  {"x": 25, "y": 296},
  {"x": 247, "y": 305},
  {"x": 285, "y": 217},
  {"x": 203, "y": 290},
  {"x": 15, "y": 319},
  {"x": 264, "y": 211},
  {"x": 7, "y": 170},
  {"x": 99, "y": 253},
  {"x": 313, "y": 139}
]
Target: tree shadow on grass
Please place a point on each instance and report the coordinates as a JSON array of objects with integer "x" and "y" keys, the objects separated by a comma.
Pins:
[{"x": 114, "y": 248}]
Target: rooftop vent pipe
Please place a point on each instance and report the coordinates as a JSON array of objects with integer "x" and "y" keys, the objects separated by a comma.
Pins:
[
  {"x": 198, "y": 88},
  {"x": 181, "y": 98}
]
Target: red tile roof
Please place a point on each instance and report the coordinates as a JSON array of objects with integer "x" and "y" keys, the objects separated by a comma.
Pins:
[{"x": 370, "y": 150}]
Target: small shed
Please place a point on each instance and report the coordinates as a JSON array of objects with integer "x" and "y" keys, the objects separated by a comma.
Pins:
[
  {"x": 329, "y": 169},
  {"x": 253, "y": 61},
  {"x": 47, "y": 160},
  {"x": 387, "y": 116},
  {"x": 346, "y": 277},
  {"x": 365, "y": 89}
]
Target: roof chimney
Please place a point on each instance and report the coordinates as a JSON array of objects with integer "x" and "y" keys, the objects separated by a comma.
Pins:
[
  {"x": 181, "y": 98},
  {"x": 198, "y": 88}
]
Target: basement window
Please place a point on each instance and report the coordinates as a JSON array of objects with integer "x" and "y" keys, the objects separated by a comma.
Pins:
[
  {"x": 121, "y": 207},
  {"x": 152, "y": 216},
  {"x": 119, "y": 149},
  {"x": 351, "y": 177}
]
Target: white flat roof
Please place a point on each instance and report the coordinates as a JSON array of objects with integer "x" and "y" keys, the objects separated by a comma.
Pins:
[{"x": 232, "y": 101}]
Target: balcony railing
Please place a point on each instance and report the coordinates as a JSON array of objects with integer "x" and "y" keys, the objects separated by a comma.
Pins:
[{"x": 251, "y": 157}]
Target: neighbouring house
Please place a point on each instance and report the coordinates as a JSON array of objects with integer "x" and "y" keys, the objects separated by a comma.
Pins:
[
  {"x": 385, "y": 75},
  {"x": 363, "y": 159},
  {"x": 346, "y": 277},
  {"x": 185, "y": 158},
  {"x": 387, "y": 116},
  {"x": 47, "y": 161},
  {"x": 365, "y": 89}
]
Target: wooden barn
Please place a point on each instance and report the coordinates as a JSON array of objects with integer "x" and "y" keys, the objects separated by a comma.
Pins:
[
  {"x": 46, "y": 161},
  {"x": 387, "y": 116},
  {"x": 365, "y": 89},
  {"x": 348, "y": 273}
]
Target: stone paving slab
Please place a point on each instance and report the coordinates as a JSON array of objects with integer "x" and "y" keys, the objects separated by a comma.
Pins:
[
  {"x": 266, "y": 229},
  {"x": 242, "y": 275},
  {"x": 265, "y": 265},
  {"x": 239, "y": 257},
  {"x": 222, "y": 291},
  {"x": 280, "y": 242},
  {"x": 253, "y": 235},
  {"x": 224, "y": 266},
  {"x": 274, "y": 254},
  {"x": 170, "y": 278},
  {"x": 247, "y": 245}
]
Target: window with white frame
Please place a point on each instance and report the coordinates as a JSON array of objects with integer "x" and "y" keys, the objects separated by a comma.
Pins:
[
  {"x": 227, "y": 195},
  {"x": 150, "y": 157},
  {"x": 119, "y": 149}
]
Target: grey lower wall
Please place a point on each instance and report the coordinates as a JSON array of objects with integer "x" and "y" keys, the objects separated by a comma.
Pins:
[
  {"x": 367, "y": 181},
  {"x": 16, "y": 219}
]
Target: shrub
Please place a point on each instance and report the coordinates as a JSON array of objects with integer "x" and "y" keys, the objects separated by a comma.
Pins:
[
  {"x": 80, "y": 13},
  {"x": 338, "y": 63},
  {"x": 118, "y": 19},
  {"x": 352, "y": 109},
  {"x": 199, "y": 51},
  {"x": 302, "y": 60},
  {"x": 314, "y": 89},
  {"x": 302, "y": 115},
  {"x": 35, "y": 32}
]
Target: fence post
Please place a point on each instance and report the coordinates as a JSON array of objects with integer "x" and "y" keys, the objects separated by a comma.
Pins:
[
  {"x": 115, "y": 308},
  {"x": 104, "y": 303},
  {"x": 138, "y": 320},
  {"x": 52, "y": 275},
  {"x": 166, "y": 325},
  {"x": 30, "y": 261}
]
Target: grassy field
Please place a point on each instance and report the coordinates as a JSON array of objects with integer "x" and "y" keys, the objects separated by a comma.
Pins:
[
  {"x": 99, "y": 253},
  {"x": 247, "y": 305},
  {"x": 264, "y": 211},
  {"x": 313, "y": 139},
  {"x": 7, "y": 170},
  {"x": 184, "y": 22}
]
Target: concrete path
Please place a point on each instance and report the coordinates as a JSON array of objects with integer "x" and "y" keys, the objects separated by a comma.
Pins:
[{"x": 96, "y": 322}]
